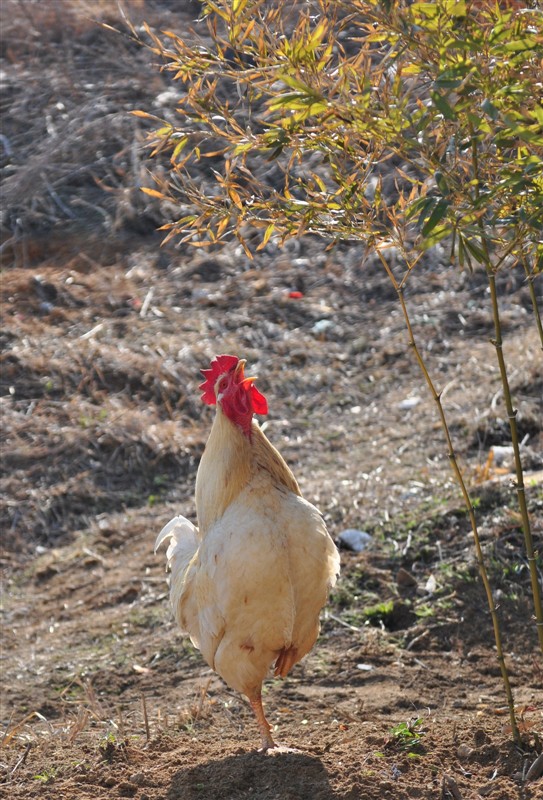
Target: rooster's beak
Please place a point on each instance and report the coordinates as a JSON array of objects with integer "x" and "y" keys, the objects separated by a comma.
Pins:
[{"x": 239, "y": 372}]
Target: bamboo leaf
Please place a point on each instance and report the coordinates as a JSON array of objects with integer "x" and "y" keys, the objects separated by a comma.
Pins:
[
  {"x": 521, "y": 44},
  {"x": 234, "y": 197},
  {"x": 221, "y": 227},
  {"x": 265, "y": 239},
  {"x": 238, "y": 6},
  {"x": 143, "y": 114},
  {"x": 179, "y": 147},
  {"x": 443, "y": 106},
  {"x": 317, "y": 34},
  {"x": 475, "y": 249},
  {"x": 153, "y": 193},
  {"x": 439, "y": 211}
]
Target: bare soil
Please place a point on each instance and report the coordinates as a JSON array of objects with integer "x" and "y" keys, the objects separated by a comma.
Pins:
[{"x": 104, "y": 334}]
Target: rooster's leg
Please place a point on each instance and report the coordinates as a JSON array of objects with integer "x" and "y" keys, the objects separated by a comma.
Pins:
[{"x": 263, "y": 724}]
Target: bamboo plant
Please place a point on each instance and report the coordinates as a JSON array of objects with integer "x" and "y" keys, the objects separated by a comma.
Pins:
[{"x": 335, "y": 97}]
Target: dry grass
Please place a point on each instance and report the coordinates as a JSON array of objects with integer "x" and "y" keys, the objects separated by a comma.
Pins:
[{"x": 72, "y": 154}]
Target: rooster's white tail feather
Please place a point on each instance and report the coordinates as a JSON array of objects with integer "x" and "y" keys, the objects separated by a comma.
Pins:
[{"x": 183, "y": 545}]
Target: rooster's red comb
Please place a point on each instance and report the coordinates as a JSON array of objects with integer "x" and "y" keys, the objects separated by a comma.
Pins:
[{"x": 219, "y": 365}]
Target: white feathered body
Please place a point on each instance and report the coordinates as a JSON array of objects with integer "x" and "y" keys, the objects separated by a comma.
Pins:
[{"x": 248, "y": 585}]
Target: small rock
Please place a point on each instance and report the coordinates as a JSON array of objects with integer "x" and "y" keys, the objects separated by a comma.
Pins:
[
  {"x": 464, "y": 752},
  {"x": 322, "y": 325},
  {"x": 298, "y": 357},
  {"x": 404, "y": 578},
  {"x": 200, "y": 295},
  {"x": 408, "y": 403},
  {"x": 354, "y": 539},
  {"x": 127, "y": 789},
  {"x": 501, "y": 454},
  {"x": 481, "y": 737},
  {"x": 430, "y": 585}
]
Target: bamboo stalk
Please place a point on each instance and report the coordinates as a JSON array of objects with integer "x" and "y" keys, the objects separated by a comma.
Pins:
[
  {"x": 467, "y": 501},
  {"x": 511, "y": 411},
  {"x": 515, "y": 441},
  {"x": 530, "y": 277}
]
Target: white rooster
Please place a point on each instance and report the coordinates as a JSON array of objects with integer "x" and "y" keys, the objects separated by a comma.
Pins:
[{"x": 248, "y": 584}]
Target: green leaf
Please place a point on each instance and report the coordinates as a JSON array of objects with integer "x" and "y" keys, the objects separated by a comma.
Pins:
[
  {"x": 452, "y": 77},
  {"x": 243, "y": 147},
  {"x": 317, "y": 34},
  {"x": 538, "y": 113},
  {"x": 441, "y": 183},
  {"x": 438, "y": 233},
  {"x": 179, "y": 147},
  {"x": 490, "y": 109},
  {"x": 479, "y": 123},
  {"x": 439, "y": 211},
  {"x": 421, "y": 12},
  {"x": 265, "y": 239},
  {"x": 419, "y": 206},
  {"x": 443, "y": 106},
  {"x": 476, "y": 250},
  {"x": 297, "y": 84},
  {"x": 456, "y": 8},
  {"x": 521, "y": 44}
]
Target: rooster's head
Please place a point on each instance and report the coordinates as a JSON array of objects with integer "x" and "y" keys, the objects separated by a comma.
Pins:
[{"x": 225, "y": 383}]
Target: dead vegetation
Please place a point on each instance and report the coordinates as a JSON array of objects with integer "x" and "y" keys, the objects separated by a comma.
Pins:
[{"x": 72, "y": 153}]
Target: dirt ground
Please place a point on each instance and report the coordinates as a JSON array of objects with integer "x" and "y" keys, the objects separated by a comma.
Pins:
[{"x": 104, "y": 334}]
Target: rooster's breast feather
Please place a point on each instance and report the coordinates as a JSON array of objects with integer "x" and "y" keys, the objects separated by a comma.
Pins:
[{"x": 260, "y": 579}]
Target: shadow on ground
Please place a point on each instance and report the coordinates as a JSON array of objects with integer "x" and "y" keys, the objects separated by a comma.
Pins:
[{"x": 292, "y": 776}]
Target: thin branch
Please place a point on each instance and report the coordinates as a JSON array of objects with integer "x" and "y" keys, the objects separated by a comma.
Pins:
[
  {"x": 511, "y": 411},
  {"x": 530, "y": 277},
  {"x": 467, "y": 500}
]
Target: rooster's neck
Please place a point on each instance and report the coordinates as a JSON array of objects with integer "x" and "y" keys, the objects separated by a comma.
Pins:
[{"x": 225, "y": 469}]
